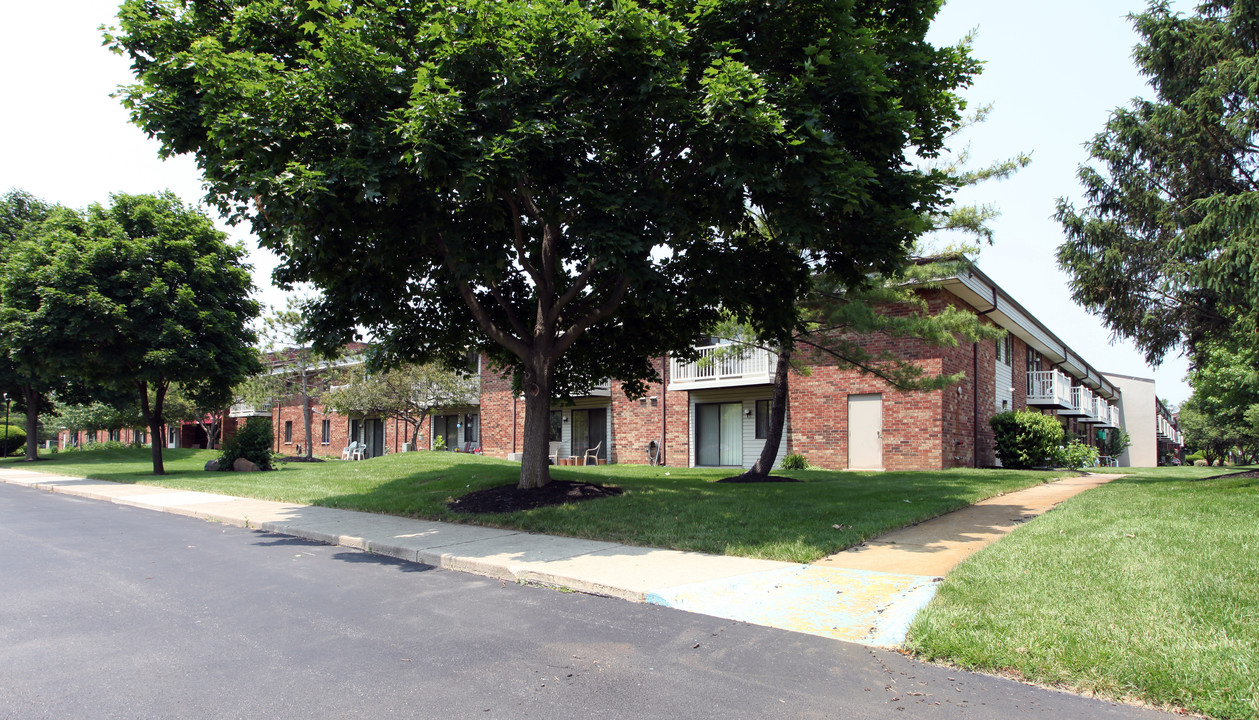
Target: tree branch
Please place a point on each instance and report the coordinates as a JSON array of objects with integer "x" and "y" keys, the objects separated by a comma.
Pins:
[
  {"x": 518, "y": 238},
  {"x": 580, "y": 282},
  {"x": 574, "y": 331},
  {"x": 517, "y": 346}
]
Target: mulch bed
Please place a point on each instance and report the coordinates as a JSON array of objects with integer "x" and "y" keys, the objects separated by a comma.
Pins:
[
  {"x": 509, "y": 498},
  {"x": 1242, "y": 474},
  {"x": 755, "y": 479}
]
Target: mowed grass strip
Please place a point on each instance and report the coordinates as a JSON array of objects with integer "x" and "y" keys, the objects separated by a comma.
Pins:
[
  {"x": 1145, "y": 588},
  {"x": 677, "y": 508}
]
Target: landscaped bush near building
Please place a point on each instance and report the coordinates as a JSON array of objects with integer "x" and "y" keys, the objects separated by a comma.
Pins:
[
  {"x": 1076, "y": 455},
  {"x": 795, "y": 461},
  {"x": 252, "y": 442},
  {"x": 1025, "y": 438},
  {"x": 17, "y": 438}
]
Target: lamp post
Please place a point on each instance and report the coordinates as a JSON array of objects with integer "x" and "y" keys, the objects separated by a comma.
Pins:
[{"x": 6, "y": 424}]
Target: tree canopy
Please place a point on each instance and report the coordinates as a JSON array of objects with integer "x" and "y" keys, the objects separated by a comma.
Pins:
[
  {"x": 148, "y": 293},
  {"x": 35, "y": 356},
  {"x": 563, "y": 185},
  {"x": 1165, "y": 249},
  {"x": 1223, "y": 412}
]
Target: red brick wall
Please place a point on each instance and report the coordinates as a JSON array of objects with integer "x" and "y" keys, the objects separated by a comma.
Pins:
[
  {"x": 1019, "y": 350},
  {"x": 339, "y": 431},
  {"x": 818, "y": 407},
  {"x": 502, "y": 414},
  {"x": 638, "y": 422}
]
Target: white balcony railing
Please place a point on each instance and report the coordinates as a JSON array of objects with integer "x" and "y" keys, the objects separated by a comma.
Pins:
[
  {"x": 244, "y": 409},
  {"x": 724, "y": 365},
  {"x": 1082, "y": 403},
  {"x": 1107, "y": 414},
  {"x": 1048, "y": 388}
]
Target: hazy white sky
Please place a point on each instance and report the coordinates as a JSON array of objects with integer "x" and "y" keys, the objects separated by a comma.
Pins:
[{"x": 1054, "y": 72}]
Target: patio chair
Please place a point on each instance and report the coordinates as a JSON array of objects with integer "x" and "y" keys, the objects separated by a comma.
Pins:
[
  {"x": 554, "y": 452},
  {"x": 592, "y": 454},
  {"x": 359, "y": 452},
  {"x": 348, "y": 451}
]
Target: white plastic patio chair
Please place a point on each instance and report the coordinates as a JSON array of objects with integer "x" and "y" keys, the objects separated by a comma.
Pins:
[
  {"x": 592, "y": 454},
  {"x": 359, "y": 452}
]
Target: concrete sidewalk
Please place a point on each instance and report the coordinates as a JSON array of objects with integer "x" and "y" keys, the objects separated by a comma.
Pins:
[{"x": 866, "y": 595}]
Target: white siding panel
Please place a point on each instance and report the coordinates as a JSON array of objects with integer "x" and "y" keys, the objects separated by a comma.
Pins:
[{"x": 1005, "y": 380}]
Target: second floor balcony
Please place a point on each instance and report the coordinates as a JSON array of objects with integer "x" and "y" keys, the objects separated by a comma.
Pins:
[
  {"x": 723, "y": 366},
  {"x": 1049, "y": 389},
  {"x": 1081, "y": 405}
]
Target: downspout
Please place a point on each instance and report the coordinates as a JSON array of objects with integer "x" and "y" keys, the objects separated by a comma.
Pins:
[
  {"x": 664, "y": 402},
  {"x": 513, "y": 423},
  {"x": 975, "y": 401},
  {"x": 974, "y": 441}
]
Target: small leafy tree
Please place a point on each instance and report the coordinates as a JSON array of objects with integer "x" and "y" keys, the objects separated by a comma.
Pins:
[
  {"x": 1117, "y": 440},
  {"x": 1076, "y": 455},
  {"x": 408, "y": 393},
  {"x": 1025, "y": 438},
  {"x": 294, "y": 368},
  {"x": 252, "y": 442}
]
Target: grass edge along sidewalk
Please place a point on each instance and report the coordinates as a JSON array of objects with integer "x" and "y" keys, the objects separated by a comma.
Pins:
[
  {"x": 1146, "y": 588},
  {"x": 663, "y": 507}
]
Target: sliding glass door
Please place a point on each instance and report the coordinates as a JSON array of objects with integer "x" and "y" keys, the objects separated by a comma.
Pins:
[
  {"x": 590, "y": 429},
  {"x": 719, "y": 434}
]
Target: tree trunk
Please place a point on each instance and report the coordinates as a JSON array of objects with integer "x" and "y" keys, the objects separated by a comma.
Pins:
[
  {"x": 153, "y": 418},
  {"x": 777, "y": 418},
  {"x": 32, "y": 423},
  {"x": 307, "y": 413},
  {"x": 535, "y": 470}
]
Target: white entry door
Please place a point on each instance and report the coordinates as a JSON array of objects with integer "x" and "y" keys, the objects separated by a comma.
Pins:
[{"x": 865, "y": 432}]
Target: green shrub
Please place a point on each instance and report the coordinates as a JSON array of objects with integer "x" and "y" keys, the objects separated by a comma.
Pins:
[
  {"x": 107, "y": 445},
  {"x": 252, "y": 442},
  {"x": 1116, "y": 442},
  {"x": 1193, "y": 458},
  {"x": 1076, "y": 455},
  {"x": 795, "y": 461},
  {"x": 17, "y": 438},
  {"x": 1025, "y": 438}
]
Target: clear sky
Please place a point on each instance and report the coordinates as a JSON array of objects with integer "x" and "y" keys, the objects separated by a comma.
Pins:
[{"x": 1054, "y": 72}]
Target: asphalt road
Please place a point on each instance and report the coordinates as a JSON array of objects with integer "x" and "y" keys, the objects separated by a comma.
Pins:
[{"x": 108, "y": 611}]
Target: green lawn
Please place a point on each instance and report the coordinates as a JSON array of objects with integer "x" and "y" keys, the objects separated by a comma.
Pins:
[
  {"x": 675, "y": 508},
  {"x": 1147, "y": 587}
]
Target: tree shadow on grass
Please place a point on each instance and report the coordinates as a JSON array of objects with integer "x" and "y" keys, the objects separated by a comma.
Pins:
[{"x": 826, "y": 513}]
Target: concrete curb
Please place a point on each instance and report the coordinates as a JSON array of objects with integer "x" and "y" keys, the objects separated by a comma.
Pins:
[{"x": 850, "y": 596}]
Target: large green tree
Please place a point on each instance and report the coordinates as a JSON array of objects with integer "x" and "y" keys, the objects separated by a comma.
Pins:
[
  {"x": 1166, "y": 247},
  {"x": 561, "y": 184},
  {"x": 151, "y": 294},
  {"x": 35, "y": 357},
  {"x": 1220, "y": 415}
]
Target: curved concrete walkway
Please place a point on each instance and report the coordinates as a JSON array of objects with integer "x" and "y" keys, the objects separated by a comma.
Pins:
[{"x": 868, "y": 594}]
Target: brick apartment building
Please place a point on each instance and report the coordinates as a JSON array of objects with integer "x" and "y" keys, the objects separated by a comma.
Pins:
[{"x": 714, "y": 414}]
